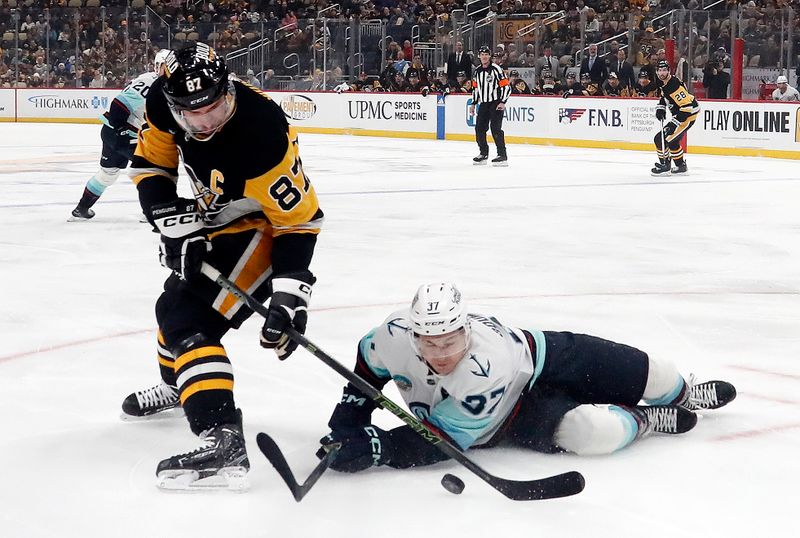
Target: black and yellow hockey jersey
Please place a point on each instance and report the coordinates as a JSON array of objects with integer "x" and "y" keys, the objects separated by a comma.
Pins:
[
  {"x": 682, "y": 104},
  {"x": 249, "y": 173}
]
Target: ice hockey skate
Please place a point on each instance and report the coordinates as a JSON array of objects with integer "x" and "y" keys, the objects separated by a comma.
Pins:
[
  {"x": 680, "y": 169},
  {"x": 160, "y": 401},
  {"x": 480, "y": 159},
  {"x": 500, "y": 160},
  {"x": 81, "y": 214},
  {"x": 220, "y": 463},
  {"x": 661, "y": 168},
  {"x": 672, "y": 419},
  {"x": 708, "y": 395}
]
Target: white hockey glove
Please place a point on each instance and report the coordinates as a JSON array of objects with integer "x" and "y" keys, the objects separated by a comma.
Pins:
[
  {"x": 288, "y": 305},
  {"x": 183, "y": 241}
]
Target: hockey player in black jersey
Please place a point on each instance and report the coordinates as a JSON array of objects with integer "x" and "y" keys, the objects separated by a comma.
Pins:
[
  {"x": 684, "y": 109},
  {"x": 254, "y": 216}
]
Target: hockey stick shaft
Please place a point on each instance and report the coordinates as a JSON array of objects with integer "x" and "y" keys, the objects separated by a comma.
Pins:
[
  {"x": 273, "y": 453},
  {"x": 561, "y": 485}
]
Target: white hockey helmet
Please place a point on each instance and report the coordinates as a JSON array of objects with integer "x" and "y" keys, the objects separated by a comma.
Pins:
[
  {"x": 161, "y": 57},
  {"x": 437, "y": 309}
]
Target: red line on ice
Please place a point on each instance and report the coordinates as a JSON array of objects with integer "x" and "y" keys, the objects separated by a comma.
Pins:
[{"x": 13, "y": 356}]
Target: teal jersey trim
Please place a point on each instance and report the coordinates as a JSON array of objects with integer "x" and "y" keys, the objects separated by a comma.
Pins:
[
  {"x": 464, "y": 430},
  {"x": 670, "y": 396},
  {"x": 541, "y": 355},
  {"x": 364, "y": 346},
  {"x": 628, "y": 422}
]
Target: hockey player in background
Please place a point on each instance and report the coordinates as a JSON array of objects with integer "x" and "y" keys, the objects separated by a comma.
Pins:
[
  {"x": 254, "y": 217},
  {"x": 480, "y": 383},
  {"x": 684, "y": 109},
  {"x": 121, "y": 124}
]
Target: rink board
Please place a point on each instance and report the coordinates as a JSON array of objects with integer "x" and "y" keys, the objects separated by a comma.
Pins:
[{"x": 752, "y": 128}]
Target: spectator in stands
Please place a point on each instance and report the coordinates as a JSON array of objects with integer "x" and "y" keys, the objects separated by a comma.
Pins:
[
  {"x": 650, "y": 66},
  {"x": 416, "y": 63},
  {"x": 547, "y": 61},
  {"x": 594, "y": 66},
  {"x": 458, "y": 60},
  {"x": 269, "y": 80},
  {"x": 648, "y": 45},
  {"x": 408, "y": 50},
  {"x": 401, "y": 64},
  {"x": 251, "y": 79},
  {"x": 518, "y": 85},
  {"x": 784, "y": 92},
  {"x": 623, "y": 70},
  {"x": 716, "y": 80}
]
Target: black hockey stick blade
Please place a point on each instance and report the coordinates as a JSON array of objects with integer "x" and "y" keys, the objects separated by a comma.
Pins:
[
  {"x": 270, "y": 449},
  {"x": 552, "y": 487}
]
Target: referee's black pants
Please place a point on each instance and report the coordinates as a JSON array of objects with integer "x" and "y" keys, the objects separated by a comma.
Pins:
[{"x": 488, "y": 115}]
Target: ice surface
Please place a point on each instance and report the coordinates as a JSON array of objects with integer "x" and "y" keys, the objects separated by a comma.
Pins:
[{"x": 701, "y": 269}]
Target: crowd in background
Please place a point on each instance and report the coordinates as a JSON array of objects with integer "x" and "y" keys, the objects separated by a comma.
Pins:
[{"x": 59, "y": 46}]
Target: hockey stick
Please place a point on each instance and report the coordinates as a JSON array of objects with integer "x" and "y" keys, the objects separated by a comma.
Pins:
[
  {"x": 270, "y": 449},
  {"x": 561, "y": 485}
]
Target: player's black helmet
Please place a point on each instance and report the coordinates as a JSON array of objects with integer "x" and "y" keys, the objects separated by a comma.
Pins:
[{"x": 196, "y": 77}]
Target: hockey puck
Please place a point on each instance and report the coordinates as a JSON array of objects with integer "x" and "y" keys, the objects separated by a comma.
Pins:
[{"x": 453, "y": 484}]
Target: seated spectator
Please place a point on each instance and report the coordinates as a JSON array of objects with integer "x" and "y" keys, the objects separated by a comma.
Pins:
[
  {"x": 269, "y": 80},
  {"x": 251, "y": 79},
  {"x": 518, "y": 85}
]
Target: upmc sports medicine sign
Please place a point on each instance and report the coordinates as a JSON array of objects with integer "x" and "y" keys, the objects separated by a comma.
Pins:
[{"x": 389, "y": 112}]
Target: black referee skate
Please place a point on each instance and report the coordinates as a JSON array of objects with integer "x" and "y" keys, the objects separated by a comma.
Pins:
[
  {"x": 219, "y": 463},
  {"x": 670, "y": 419},
  {"x": 680, "y": 169},
  {"x": 161, "y": 401},
  {"x": 500, "y": 160},
  {"x": 480, "y": 159},
  {"x": 661, "y": 168},
  {"x": 708, "y": 395},
  {"x": 82, "y": 213}
]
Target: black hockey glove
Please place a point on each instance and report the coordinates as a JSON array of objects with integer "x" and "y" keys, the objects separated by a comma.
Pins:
[
  {"x": 183, "y": 241},
  {"x": 425, "y": 91},
  {"x": 661, "y": 112},
  {"x": 361, "y": 448},
  {"x": 568, "y": 93},
  {"x": 287, "y": 306}
]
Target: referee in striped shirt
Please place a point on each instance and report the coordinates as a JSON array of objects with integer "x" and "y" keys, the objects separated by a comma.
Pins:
[{"x": 490, "y": 90}]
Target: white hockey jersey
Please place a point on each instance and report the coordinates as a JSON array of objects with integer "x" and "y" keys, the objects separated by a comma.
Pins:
[
  {"x": 133, "y": 97},
  {"x": 472, "y": 402}
]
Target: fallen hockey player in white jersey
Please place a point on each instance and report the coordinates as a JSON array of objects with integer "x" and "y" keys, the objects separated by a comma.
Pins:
[
  {"x": 121, "y": 124},
  {"x": 480, "y": 383}
]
